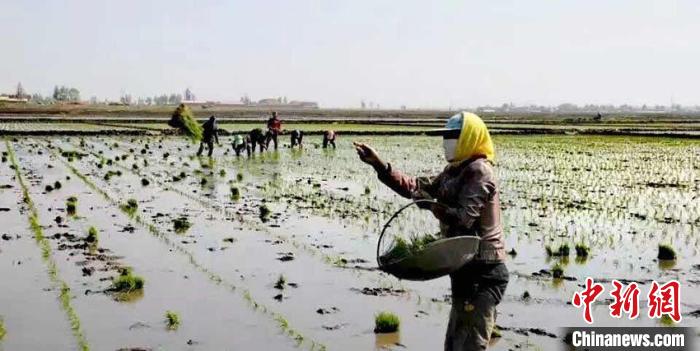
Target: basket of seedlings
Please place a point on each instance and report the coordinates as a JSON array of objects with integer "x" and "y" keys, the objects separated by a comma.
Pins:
[{"x": 423, "y": 257}]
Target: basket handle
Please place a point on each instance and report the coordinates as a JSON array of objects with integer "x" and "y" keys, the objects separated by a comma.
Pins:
[{"x": 391, "y": 219}]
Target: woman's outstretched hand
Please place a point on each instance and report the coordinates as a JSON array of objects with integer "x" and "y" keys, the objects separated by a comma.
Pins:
[{"x": 368, "y": 155}]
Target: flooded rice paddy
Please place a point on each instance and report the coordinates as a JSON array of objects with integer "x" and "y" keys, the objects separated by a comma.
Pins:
[{"x": 303, "y": 275}]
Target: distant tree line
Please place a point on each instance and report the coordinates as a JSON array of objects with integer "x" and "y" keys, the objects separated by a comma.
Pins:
[
  {"x": 158, "y": 100},
  {"x": 66, "y": 94}
]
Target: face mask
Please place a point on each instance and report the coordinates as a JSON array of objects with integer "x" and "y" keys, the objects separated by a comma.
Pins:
[{"x": 450, "y": 146}]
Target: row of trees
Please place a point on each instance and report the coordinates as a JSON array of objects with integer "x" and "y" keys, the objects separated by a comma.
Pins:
[
  {"x": 159, "y": 100},
  {"x": 61, "y": 94},
  {"x": 70, "y": 94},
  {"x": 66, "y": 94}
]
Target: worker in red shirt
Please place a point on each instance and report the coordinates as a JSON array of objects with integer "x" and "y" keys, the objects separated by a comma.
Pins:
[{"x": 274, "y": 128}]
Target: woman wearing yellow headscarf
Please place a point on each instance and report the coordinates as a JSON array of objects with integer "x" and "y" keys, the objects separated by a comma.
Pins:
[{"x": 467, "y": 190}]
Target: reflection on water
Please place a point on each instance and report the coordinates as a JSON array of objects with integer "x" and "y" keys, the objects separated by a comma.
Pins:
[
  {"x": 666, "y": 264},
  {"x": 386, "y": 341},
  {"x": 129, "y": 297}
]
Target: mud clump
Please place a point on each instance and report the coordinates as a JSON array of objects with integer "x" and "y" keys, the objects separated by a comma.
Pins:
[
  {"x": 88, "y": 271},
  {"x": 285, "y": 256},
  {"x": 330, "y": 310},
  {"x": 281, "y": 282},
  {"x": 380, "y": 291}
]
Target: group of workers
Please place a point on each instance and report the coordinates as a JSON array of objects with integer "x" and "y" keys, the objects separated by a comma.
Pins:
[
  {"x": 257, "y": 138},
  {"x": 465, "y": 199}
]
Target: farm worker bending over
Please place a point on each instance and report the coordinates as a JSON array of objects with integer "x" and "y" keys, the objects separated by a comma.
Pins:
[
  {"x": 239, "y": 144},
  {"x": 469, "y": 189},
  {"x": 209, "y": 135},
  {"x": 274, "y": 128},
  {"x": 328, "y": 138},
  {"x": 297, "y": 137}
]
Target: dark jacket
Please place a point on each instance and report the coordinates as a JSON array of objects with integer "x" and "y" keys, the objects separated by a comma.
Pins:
[{"x": 210, "y": 131}]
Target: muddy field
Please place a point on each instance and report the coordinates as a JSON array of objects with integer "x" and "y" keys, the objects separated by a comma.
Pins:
[{"x": 198, "y": 233}]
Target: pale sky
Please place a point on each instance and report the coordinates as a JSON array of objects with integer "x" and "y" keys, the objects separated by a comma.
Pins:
[{"x": 402, "y": 52}]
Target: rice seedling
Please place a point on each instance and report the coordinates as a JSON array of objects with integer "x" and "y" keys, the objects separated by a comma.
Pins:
[
  {"x": 181, "y": 224},
  {"x": 172, "y": 320},
  {"x": 222, "y": 172},
  {"x": 562, "y": 251},
  {"x": 264, "y": 213},
  {"x": 48, "y": 188},
  {"x": 72, "y": 205},
  {"x": 403, "y": 248},
  {"x": 57, "y": 185},
  {"x": 127, "y": 281},
  {"x": 666, "y": 252},
  {"x": 235, "y": 193},
  {"x": 145, "y": 182},
  {"x": 582, "y": 250},
  {"x": 386, "y": 322},
  {"x": 239, "y": 177},
  {"x": 557, "y": 271},
  {"x": 130, "y": 207},
  {"x": 92, "y": 236},
  {"x": 3, "y": 332}
]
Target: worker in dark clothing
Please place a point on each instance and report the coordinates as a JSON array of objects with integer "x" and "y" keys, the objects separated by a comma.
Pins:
[
  {"x": 467, "y": 197},
  {"x": 209, "y": 134},
  {"x": 297, "y": 136},
  {"x": 328, "y": 138},
  {"x": 256, "y": 137},
  {"x": 274, "y": 128}
]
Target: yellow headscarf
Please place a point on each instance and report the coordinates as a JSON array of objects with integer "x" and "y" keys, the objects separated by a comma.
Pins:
[{"x": 474, "y": 139}]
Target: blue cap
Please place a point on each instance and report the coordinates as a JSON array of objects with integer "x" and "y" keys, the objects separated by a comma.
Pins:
[{"x": 455, "y": 122}]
